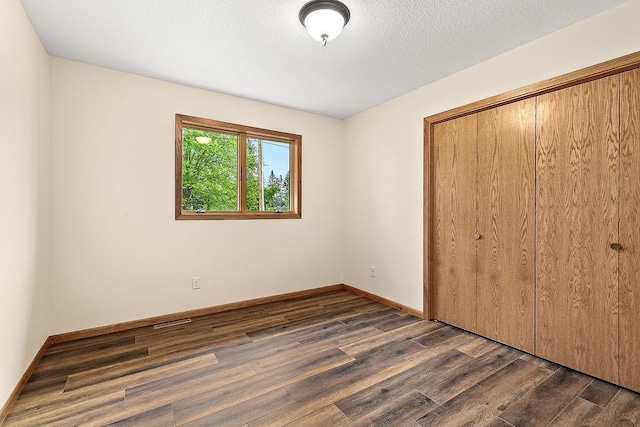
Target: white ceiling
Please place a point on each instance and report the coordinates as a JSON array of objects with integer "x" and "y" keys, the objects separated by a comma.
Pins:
[{"x": 258, "y": 49}]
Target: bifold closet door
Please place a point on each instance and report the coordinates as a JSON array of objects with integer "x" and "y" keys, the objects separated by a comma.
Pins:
[
  {"x": 454, "y": 221},
  {"x": 630, "y": 229},
  {"x": 577, "y": 224},
  {"x": 506, "y": 183}
]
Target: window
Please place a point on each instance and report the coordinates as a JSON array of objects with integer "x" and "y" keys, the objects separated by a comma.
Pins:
[{"x": 228, "y": 171}]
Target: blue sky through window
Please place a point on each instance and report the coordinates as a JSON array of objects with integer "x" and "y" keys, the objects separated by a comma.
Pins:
[{"x": 276, "y": 157}]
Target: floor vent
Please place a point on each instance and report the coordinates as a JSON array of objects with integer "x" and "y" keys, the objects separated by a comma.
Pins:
[{"x": 169, "y": 324}]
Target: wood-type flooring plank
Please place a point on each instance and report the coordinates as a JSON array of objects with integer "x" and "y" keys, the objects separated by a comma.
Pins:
[
  {"x": 498, "y": 422},
  {"x": 542, "y": 405},
  {"x": 622, "y": 411},
  {"x": 354, "y": 385},
  {"x": 470, "y": 374},
  {"x": 333, "y": 359},
  {"x": 29, "y": 408},
  {"x": 136, "y": 371},
  {"x": 487, "y": 399},
  {"x": 327, "y": 416},
  {"x": 58, "y": 413},
  {"x": 159, "y": 417},
  {"x": 401, "y": 411},
  {"x": 196, "y": 406},
  {"x": 478, "y": 347},
  {"x": 370, "y": 399},
  {"x": 389, "y": 337},
  {"x": 245, "y": 411},
  {"x": 299, "y": 353},
  {"x": 600, "y": 392},
  {"x": 580, "y": 412}
]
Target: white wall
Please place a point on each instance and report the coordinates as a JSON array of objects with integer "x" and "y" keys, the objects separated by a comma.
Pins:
[
  {"x": 119, "y": 254},
  {"x": 24, "y": 191},
  {"x": 383, "y": 147}
]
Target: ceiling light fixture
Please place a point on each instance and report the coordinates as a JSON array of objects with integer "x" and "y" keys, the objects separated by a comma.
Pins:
[
  {"x": 324, "y": 19},
  {"x": 203, "y": 139}
]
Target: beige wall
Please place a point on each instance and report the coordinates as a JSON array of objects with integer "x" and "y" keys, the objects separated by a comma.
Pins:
[
  {"x": 383, "y": 147},
  {"x": 24, "y": 191},
  {"x": 120, "y": 255}
]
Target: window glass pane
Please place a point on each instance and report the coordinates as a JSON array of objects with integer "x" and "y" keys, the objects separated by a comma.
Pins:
[
  {"x": 209, "y": 170},
  {"x": 268, "y": 175},
  {"x": 275, "y": 156}
]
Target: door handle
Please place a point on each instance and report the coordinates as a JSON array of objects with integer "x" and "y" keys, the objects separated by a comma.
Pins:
[{"x": 477, "y": 236}]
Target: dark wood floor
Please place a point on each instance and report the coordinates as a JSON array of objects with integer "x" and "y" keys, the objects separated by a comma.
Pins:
[{"x": 329, "y": 360}]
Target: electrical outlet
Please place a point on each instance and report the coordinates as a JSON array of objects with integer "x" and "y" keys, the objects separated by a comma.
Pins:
[
  {"x": 195, "y": 283},
  {"x": 372, "y": 271}
]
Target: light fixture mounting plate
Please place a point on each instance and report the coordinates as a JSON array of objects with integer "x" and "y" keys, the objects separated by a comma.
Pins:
[{"x": 334, "y": 5}]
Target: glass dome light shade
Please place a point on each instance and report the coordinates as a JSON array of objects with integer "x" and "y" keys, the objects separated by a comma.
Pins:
[
  {"x": 324, "y": 23},
  {"x": 324, "y": 19}
]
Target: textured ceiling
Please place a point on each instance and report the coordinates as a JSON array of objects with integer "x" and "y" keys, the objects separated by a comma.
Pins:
[{"x": 258, "y": 49}]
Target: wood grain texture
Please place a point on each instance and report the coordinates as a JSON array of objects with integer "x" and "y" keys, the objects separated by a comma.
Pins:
[
  {"x": 486, "y": 400},
  {"x": 478, "y": 347},
  {"x": 428, "y": 208},
  {"x": 158, "y": 417},
  {"x": 580, "y": 412},
  {"x": 599, "y": 392},
  {"x": 385, "y": 380},
  {"x": 581, "y": 214},
  {"x": 623, "y": 411},
  {"x": 630, "y": 229},
  {"x": 247, "y": 410},
  {"x": 615, "y": 66},
  {"x": 454, "y": 222},
  {"x": 328, "y": 416},
  {"x": 402, "y": 411},
  {"x": 544, "y": 403},
  {"x": 577, "y": 220},
  {"x": 506, "y": 174},
  {"x": 467, "y": 375},
  {"x": 374, "y": 397}
]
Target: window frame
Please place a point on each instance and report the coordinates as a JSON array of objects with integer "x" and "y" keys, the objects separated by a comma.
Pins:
[{"x": 243, "y": 132}]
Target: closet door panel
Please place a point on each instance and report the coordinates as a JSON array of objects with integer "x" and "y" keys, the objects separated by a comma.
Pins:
[
  {"x": 506, "y": 151},
  {"x": 630, "y": 229},
  {"x": 454, "y": 221},
  {"x": 577, "y": 220}
]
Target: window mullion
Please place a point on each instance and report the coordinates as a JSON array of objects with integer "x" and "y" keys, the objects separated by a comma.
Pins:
[
  {"x": 242, "y": 172},
  {"x": 260, "y": 177}
]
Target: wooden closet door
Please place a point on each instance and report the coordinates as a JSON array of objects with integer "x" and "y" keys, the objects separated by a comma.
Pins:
[
  {"x": 506, "y": 151},
  {"x": 630, "y": 229},
  {"x": 577, "y": 220},
  {"x": 454, "y": 221}
]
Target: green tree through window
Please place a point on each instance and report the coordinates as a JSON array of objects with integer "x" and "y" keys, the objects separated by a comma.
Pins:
[{"x": 209, "y": 171}]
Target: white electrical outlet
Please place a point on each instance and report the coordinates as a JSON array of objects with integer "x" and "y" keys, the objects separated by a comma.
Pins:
[
  {"x": 195, "y": 283},
  {"x": 372, "y": 271}
]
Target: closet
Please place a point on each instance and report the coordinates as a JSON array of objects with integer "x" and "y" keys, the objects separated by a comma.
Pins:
[
  {"x": 629, "y": 272},
  {"x": 532, "y": 219},
  {"x": 483, "y": 166},
  {"x": 455, "y": 221},
  {"x": 577, "y": 222},
  {"x": 505, "y": 209}
]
